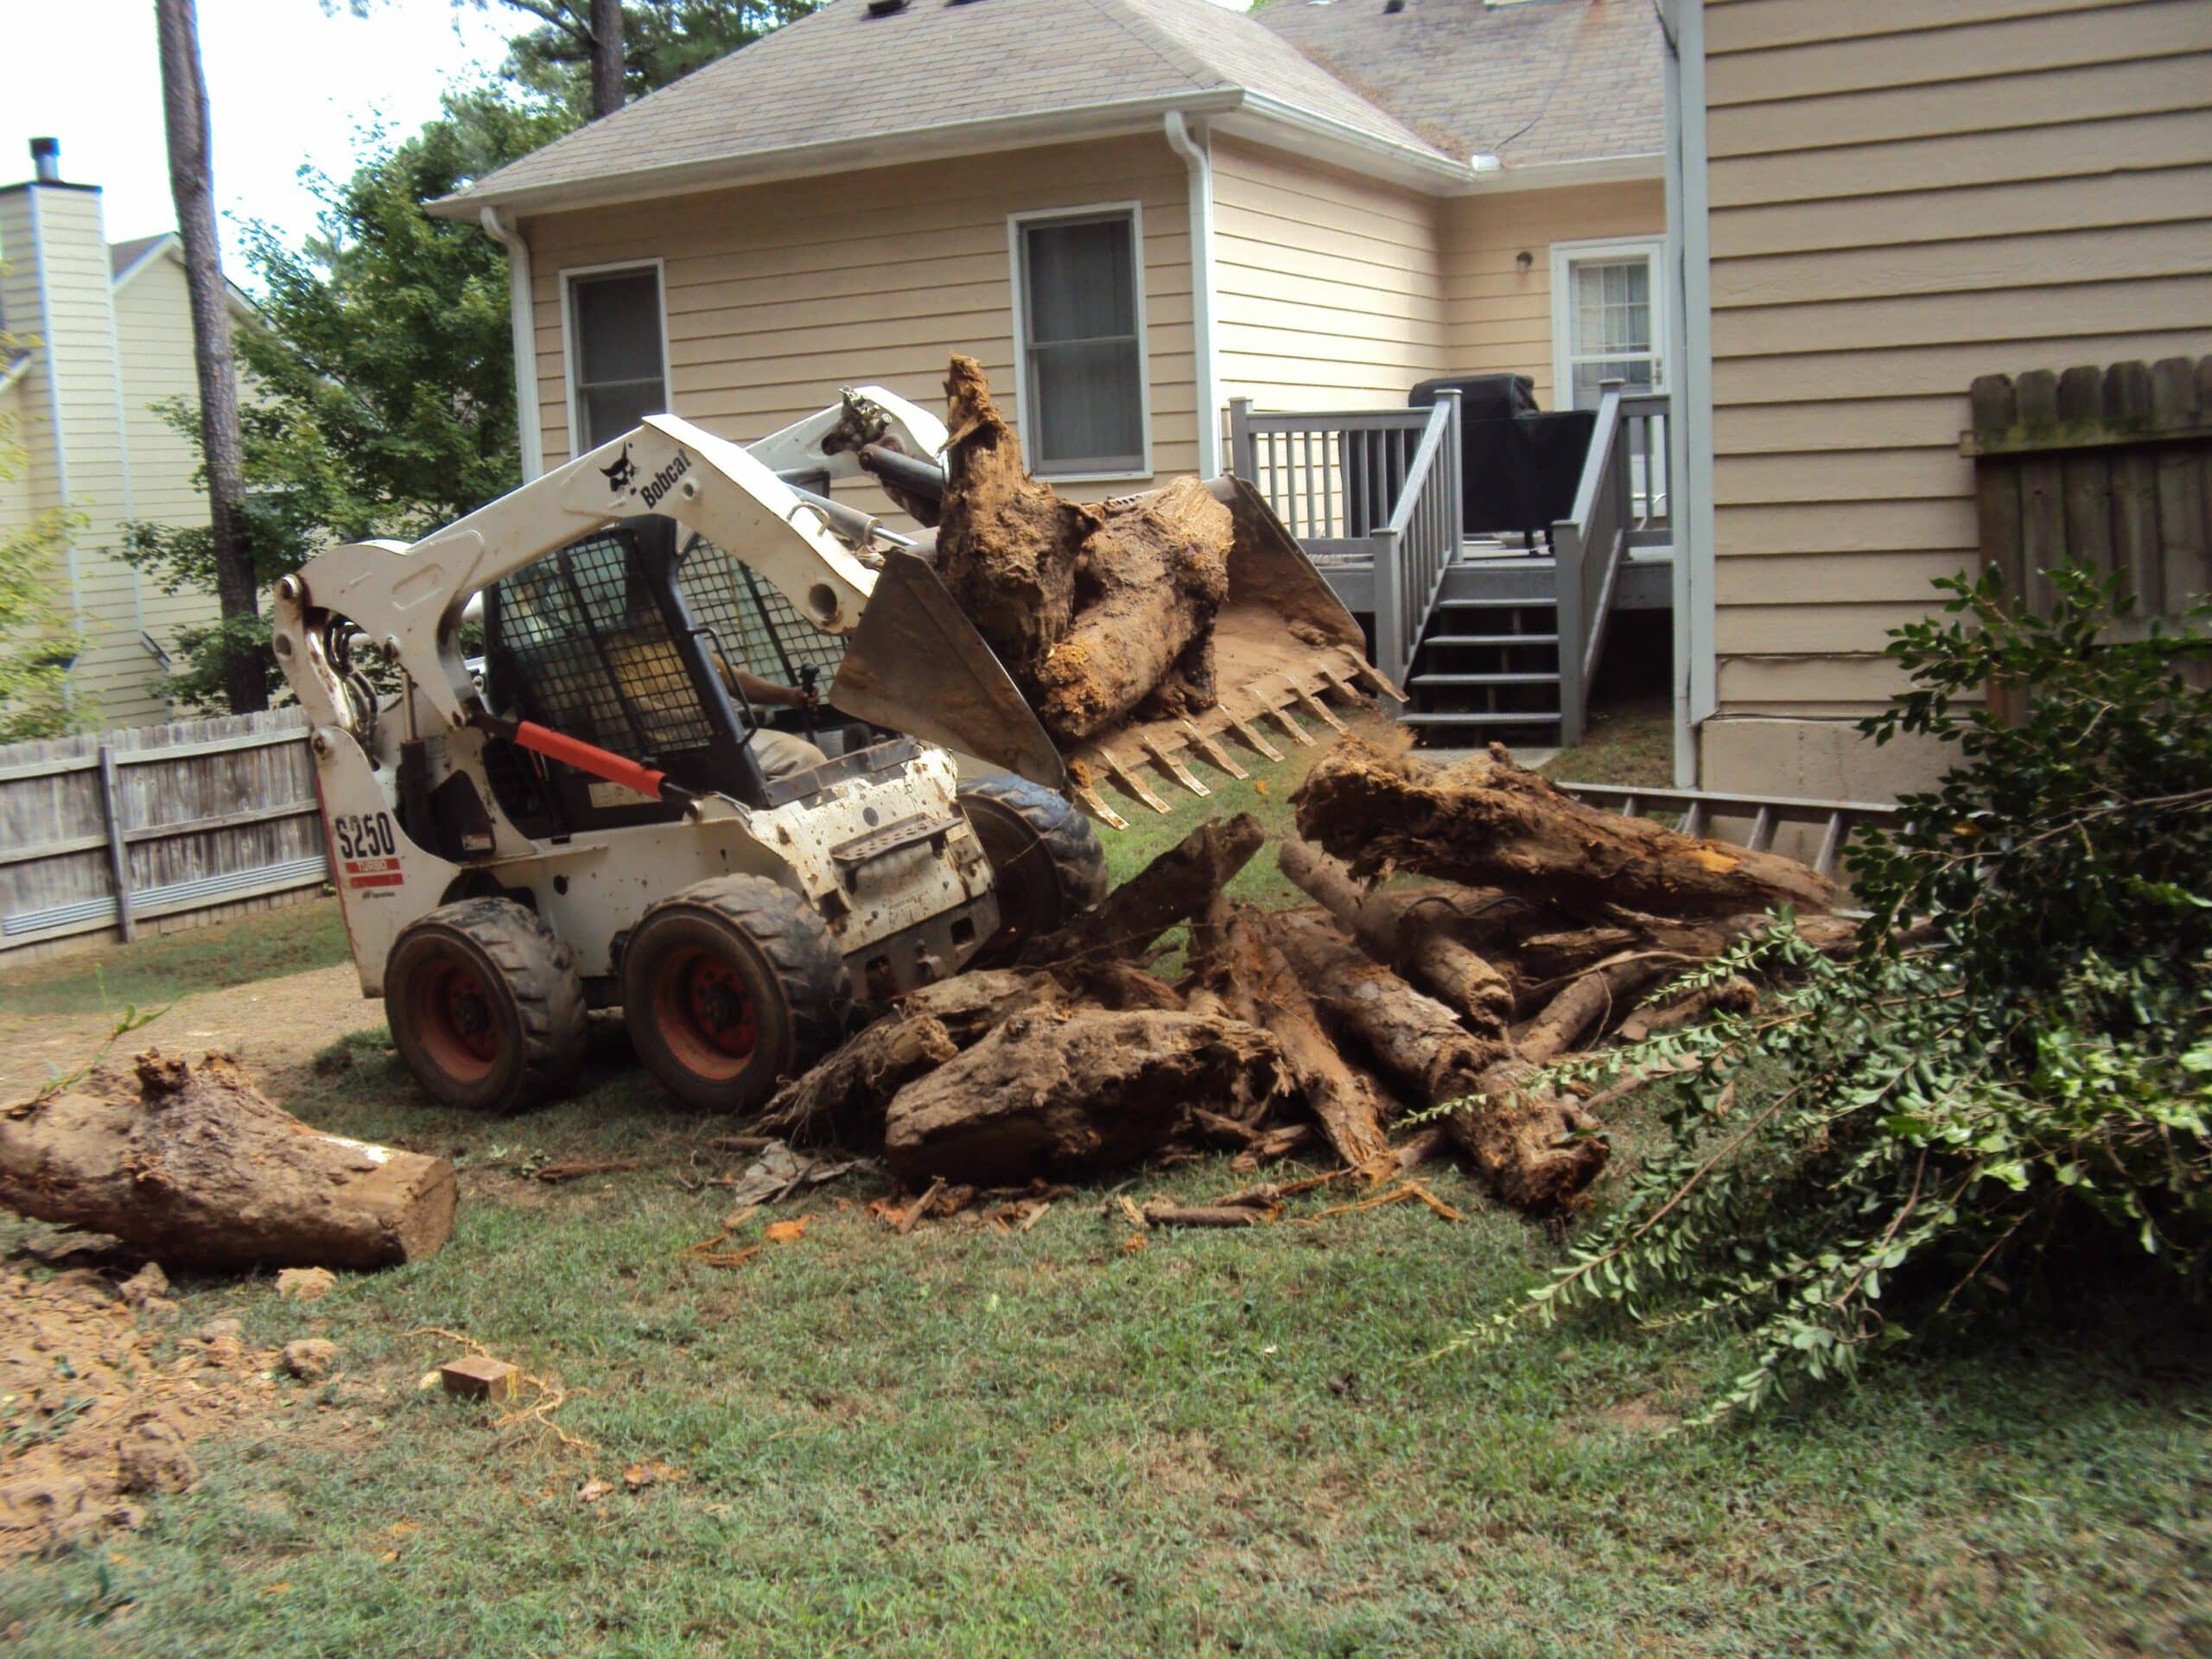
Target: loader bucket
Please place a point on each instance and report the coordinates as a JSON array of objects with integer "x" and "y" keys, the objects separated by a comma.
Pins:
[{"x": 1284, "y": 646}]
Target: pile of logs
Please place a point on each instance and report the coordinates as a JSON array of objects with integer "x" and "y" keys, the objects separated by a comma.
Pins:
[{"x": 1550, "y": 925}]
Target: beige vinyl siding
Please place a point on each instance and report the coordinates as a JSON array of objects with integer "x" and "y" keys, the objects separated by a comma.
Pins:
[
  {"x": 1328, "y": 286},
  {"x": 778, "y": 295},
  {"x": 1498, "y": 317},
  {"x": 1905, "y": 194},
  {"x": 153, "y": 330}
]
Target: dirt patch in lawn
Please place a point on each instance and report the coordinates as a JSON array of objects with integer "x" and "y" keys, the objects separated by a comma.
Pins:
[
  {"x": 276, "y": 1026},
  {"x": 99, "y": 1407}
]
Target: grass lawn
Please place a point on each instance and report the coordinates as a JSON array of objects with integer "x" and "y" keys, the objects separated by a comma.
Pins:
[
  {"x": 1629, "y": 740},
  {"x": 262, "y": 945},
  {"x": 965, "y": 1443}
]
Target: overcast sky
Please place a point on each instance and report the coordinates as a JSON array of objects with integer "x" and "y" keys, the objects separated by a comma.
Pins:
[{"x": 288, "y": 86}]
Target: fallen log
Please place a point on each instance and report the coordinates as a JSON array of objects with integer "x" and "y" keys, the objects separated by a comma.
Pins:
[
  {"x": 191, "y": 1165},
  {"x": 1734, "y": 994},
  {"x": 841, "y": 1101},
  {"x": 1181, "y": 882},
  {"x": 1490, "y": 822},
  {"x": 1259, "y": 986},
  {"x": 968, "y": 1005},
  {"x": 1395, "y": 929},
  {"x": 1049, "y": 1098},
  {"x": 1533, "y": 1149}
]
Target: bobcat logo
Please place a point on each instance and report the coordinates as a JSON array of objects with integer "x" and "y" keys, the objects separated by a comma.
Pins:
[{"x": 623, "y": 473}]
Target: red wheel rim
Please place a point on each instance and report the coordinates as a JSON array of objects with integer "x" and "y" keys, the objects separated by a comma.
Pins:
[
  {"x": 454, "y": 1013},
  {"x": 705, "y": 1012}
]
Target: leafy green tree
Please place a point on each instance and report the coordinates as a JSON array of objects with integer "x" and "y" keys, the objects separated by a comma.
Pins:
[
  {"x": 662, "y": 41},
  {"x": 36, "y": 644},
  {"x": 381, "y": 373},
  {"x": 2015, "y": 1074}
]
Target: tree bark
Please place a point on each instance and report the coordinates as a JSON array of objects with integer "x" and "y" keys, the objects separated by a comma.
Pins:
[
  {"x": 1490, "y": 822},
  {"x": 1180, "y": 883},
  {"x": 184, "y": 106},
  {"x": 1061, "y": 1097},
  {"x": 607, "y": 62},
  {"x": 841, "y": 1100},
  {"x": 190, "y": 1165},
  {"x": 1533, "y": 1149},
  {"x": 1394, "y": 929}
]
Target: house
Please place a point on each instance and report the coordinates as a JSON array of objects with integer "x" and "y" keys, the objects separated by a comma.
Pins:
[
  {"x": 1135, "y": 213},
  {"x": 1873, "y": 206},
  {"x": 104, "y": 338}
]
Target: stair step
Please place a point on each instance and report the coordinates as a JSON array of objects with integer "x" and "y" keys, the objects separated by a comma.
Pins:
[
  {"x": 1492, "y": 640},
  {"x": 1497, "y": 603},
  {"x": 1476, "y": 717},
  {"x": 1483, "y": 679}
]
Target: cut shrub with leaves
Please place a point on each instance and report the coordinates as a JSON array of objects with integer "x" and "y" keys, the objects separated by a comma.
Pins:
[{"x": 2018, "y": 1060}]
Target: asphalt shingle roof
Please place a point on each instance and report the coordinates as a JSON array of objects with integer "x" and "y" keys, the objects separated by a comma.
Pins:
[
  {"x": 121, "y": 255},
  {"x": 843, "y": 74},
  {"x": 1531, "y": 81}
]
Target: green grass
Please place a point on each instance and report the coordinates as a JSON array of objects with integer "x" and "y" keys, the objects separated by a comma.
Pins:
[
  {"x": 1631, "y": 741},
  {"x": 263, "y": 945},
  {"x": 966, "y": 1443},
  {"x": 963, "y": 1443}
]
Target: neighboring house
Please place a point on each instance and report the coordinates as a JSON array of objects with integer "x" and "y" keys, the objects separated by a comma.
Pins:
[
  {"x": 109, "y": 337},
  {"x": 1875, "y": 203},
  {"x": 1130, "y": 211}
]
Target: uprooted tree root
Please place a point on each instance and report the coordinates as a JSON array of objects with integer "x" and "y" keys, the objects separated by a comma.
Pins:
[{"x": 1326, "y": 1027}]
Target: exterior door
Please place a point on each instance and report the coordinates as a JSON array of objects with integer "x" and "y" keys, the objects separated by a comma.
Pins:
[{"x": 1609, "y": 323}]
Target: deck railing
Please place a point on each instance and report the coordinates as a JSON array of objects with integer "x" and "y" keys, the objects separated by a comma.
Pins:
[
  {"x": 1367, "y": 492},
  {"x": 1620, "y": 503}
]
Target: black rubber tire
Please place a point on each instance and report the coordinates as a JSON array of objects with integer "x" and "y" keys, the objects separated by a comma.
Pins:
[
  {"x": 1046, "y": 859},
  {"x": 485, "y": 1006},
  {"x": 751, "y": 951}
]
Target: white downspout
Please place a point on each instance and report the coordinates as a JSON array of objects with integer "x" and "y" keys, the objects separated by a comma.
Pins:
[
  {"x": 1199, "y": 165},
  {"x": 522, "y": 319}
]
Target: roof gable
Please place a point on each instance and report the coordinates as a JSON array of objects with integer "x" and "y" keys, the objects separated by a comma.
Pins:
[
  {"x": 937, "y": 68},
  {"x": 1537, "y": 82}
]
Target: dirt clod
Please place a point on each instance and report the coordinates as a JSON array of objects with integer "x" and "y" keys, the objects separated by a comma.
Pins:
[{"x": 311, "y": 1358}]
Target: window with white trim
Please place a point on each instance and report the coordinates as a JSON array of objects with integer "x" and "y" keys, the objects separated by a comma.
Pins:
[
  {"x": 615, "y": 364},
  {"x": 1082, "y": 338}
]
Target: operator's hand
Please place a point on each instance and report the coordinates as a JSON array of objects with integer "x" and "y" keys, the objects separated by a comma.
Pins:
[{"x": 809, "y": 699}]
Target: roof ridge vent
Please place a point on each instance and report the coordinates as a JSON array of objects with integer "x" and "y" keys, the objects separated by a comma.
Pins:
[{"x": 884, "y": 8}]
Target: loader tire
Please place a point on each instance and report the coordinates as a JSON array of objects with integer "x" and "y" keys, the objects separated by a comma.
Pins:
[
  {"x": 485, "y": 1006},
  {"x": 730, "y": 985},
  {"x": 1046, "y": 859}
]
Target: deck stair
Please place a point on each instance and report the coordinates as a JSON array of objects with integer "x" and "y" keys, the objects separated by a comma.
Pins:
[{"x": 1474, "y": 630}]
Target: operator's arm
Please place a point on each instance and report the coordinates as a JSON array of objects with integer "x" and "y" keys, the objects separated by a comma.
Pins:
[{"x": 758, "y": 690}]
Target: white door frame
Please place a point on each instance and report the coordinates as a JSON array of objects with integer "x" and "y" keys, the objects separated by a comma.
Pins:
[{"x": 1565, "y": 256}]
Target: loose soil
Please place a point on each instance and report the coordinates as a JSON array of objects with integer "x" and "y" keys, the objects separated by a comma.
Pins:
[{"x": 276, "y": 1026}]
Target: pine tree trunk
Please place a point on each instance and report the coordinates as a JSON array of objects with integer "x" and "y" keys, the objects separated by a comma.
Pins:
[
  {"x": 184, "y": 102},
  {"x": 607, "y": 58}
]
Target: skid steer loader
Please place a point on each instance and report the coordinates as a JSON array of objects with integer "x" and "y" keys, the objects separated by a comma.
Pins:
[{"x": 596, "y": 811}]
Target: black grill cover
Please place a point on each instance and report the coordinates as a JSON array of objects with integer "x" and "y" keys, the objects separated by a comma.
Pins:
[
  {"x": 1482, "y": 397},
  {"x": 1521, "y": 465}
]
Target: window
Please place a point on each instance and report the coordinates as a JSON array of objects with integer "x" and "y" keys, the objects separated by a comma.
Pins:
[
  {"x": 1080, "y": 334},
  {"x": 616, "y": 370},
  {"x": 1607, "y": 320}
]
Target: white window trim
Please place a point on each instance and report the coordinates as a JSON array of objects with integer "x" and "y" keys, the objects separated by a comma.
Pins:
[
  {"x": 569, "y": 327},
  {"x": 1015, "y": 226},
  {"x": 1565, "y": 254}
]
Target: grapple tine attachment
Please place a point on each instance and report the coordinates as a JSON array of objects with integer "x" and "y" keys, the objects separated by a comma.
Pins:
[
  {"x": 1213, "y": 751},
  {"x": 1175, "y": 768},
  {"x": 1095, "y": 804},
  {"x": 1252, "y": 734},
  {"x": 1130, "y": 782}
]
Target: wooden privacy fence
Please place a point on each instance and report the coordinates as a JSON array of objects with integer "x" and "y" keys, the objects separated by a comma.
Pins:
[
  {"x": 162, "y": 827},
  {"x": 2110, "y": 467}
]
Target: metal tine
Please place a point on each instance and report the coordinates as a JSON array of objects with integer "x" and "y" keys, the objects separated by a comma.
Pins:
[
  {"x": 1630, "y": 805},
  {"x": 1694, "y": 820},
  {"x": 1181, "y": 773},
  {"x": 1250, "y": 733},
  {"x": 1336, "y": 685},
  {"x": 1314, "y": 706},
  {"x": 1091, "y": 798},
  {"x": 1131, "y": 782},
  {"x": 1213, "y": 752},
  {"x": 1380, "y": 680},
  {"x": 1762, "y": 830},
  {"x": 1283, "y": 719}
]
